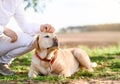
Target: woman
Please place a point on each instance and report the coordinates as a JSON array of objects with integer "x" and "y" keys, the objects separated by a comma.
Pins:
[{"x": 14, "y": 44}]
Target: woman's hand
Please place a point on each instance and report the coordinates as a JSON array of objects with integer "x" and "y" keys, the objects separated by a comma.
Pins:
[
  {"x": 10, "y": 33},
  {"x": 47, "y": 28}
]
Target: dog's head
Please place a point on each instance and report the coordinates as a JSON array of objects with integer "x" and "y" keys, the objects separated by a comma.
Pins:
[{"x": 46, "y": 41}]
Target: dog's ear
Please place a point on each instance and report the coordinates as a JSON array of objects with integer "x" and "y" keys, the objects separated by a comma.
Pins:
[{"x": 36, "y": 43}]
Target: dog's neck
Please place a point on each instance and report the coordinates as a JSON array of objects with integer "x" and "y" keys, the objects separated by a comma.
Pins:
[
  {"x": 46, "y": 54},
  {"x": 51, "y": 56},
  {"x": 42, "y": 53}
]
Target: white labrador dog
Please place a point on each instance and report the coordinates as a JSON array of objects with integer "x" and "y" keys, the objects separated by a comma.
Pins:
[{"x": 50, "y": 59}]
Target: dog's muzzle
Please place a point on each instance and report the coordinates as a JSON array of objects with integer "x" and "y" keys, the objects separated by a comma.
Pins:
[{"x": 55, "y": 42}]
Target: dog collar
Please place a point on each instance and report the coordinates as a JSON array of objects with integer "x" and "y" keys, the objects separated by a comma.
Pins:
[
  {"x": 54, "y": 57},
  {"x": 36, "y": 54},
  {"x": 47, "y": 60}
]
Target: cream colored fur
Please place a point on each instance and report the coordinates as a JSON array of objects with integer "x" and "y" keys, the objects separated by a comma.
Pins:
[{"x": 67, "y": 62}]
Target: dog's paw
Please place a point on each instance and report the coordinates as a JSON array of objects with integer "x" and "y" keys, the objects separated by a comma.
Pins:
[
  {"x": 32, "y": 74},
  {"x": 94, "y": 64}
]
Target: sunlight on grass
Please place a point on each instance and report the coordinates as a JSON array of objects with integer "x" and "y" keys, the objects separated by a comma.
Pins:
[{"x": 107, "y": 58}]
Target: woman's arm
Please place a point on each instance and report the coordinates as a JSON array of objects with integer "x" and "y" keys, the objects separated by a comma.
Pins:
[
  {"x": 30, "y": 28},
  {"x": 1, "y": 29}
]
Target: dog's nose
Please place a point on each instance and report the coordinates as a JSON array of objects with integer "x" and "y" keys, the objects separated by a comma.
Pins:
[{"x": 55, "y": 40}]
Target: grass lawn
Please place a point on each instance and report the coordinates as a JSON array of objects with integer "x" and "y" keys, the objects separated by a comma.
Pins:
[{"x": 107, "y": 58}]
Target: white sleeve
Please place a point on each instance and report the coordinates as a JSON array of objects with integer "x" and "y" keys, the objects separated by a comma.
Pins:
[
  {"x": 30, "y": 28},
  {"x": 1, "y": 29}
]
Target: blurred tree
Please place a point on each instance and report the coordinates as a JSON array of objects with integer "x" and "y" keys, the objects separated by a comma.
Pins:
[{"x": 37, "y": 5}]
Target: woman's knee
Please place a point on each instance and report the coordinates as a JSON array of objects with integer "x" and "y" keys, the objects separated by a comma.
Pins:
[{"x": 24, "y": 39}]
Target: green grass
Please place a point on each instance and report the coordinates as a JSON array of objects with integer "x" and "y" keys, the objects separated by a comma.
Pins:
[{"x": 107, "y": 58}]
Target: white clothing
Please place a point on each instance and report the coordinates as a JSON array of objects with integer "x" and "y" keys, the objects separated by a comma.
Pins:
[
  {"x": 8, "y": 50},
  {"x": 9, "y": 8}
]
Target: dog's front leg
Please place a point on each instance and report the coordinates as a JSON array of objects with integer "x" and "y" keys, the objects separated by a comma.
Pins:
[{"x": 32, "y": 73}]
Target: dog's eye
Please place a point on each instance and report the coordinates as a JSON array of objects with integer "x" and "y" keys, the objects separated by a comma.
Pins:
[{"x": 46, "y": 36}]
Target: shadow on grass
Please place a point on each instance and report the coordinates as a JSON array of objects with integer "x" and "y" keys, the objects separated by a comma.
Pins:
[
  {"x": 102, "y": 58},
  {"x": 115, "y": 65},
  {"x": 22, "y": 61}
]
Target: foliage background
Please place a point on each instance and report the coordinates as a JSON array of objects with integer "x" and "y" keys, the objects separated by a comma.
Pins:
[{"x": 37, "y": 5}]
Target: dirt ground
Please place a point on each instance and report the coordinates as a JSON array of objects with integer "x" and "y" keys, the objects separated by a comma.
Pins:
[
  {"x": 70, "y": 82},
  {"x": 90, "y": 39}
]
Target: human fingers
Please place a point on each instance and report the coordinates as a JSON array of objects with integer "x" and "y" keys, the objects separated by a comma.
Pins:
[
  {"x": 51, "y": 30},
  {"x": 13, "y": 36},
  {"x": 47, "y": 28},
  {"x": 42, "y": 28}
]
